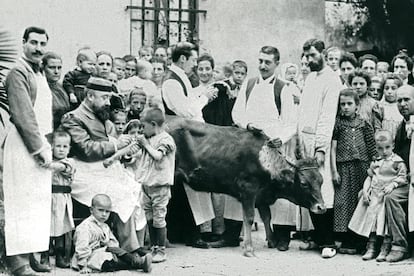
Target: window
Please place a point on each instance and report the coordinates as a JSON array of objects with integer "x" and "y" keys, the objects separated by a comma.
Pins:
[{"x": 163, "y": 22}]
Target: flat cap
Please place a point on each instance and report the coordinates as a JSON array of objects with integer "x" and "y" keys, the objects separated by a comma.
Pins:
[{"x": 99, "y": 84}]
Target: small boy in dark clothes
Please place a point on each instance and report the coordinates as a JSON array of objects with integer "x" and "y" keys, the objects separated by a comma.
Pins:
[{"x": 75, "y": 81}]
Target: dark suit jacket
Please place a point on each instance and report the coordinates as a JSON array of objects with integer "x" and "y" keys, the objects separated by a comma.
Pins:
[
  {"x": 90, "y": 137},
  {"x": 403, "y": 144}
]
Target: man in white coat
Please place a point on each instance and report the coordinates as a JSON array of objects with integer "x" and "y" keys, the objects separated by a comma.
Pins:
[
  {"x": 316, "y": 122},
  {"x": 261, "y": 103}
]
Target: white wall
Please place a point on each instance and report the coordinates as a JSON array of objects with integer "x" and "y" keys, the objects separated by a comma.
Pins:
[
  {"x": 237, "y": 29},
  {"x": 71, "y": 24}
]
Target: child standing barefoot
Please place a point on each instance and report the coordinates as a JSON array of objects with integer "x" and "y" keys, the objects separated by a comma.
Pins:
[
  {"x": 385, "y": 174},
  {"x": 353, "y": 148}
]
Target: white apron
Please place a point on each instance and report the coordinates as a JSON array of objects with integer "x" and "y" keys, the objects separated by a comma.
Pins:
[
  {"x": 201, "y": 205},
  {"x": 233, "y": 209},
  {"x": 411, "y": 188},
  {"x": 28, "y": 187},
  {"x": 93, "y": 178}
]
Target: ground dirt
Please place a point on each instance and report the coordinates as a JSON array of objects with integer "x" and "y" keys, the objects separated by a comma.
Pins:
[{"x": 184, "y": 260}]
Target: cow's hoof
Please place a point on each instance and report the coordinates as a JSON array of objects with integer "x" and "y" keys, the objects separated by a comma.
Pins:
[{"x": 271, "y": 244}]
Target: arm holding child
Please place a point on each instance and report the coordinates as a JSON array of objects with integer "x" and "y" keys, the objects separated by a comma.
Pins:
[{"x": 399, "y": 180}]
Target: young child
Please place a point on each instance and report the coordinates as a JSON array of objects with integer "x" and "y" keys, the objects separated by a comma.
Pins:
[
  {"x": 385, "y": 174},
  {"x": 130, "y": 66},
  {"x": 97, "y": 249},
  {"x": 392, "y": 117},
  {"x": 382, "y": 68},
  {"x": 369, "y": 108},
  {"x": 239, "y": 68},
  {"x": 119, "y": 68},
  {"x": 112, "y": 77},
  {"x": 222, "y": 71},
  {"x": 375, "y": 89},
  {"x": 75, "y": 81},
  {"x": 145, "y": 53},
  {"x": 61, "y": 220},
  {"x": 333, "y": 54},
  {"x": 289, "y": 72},
  {"x": 119, "y": 118},
  {"x": 352, "y": 150},
  {"x": 137, "y": 102},
  {"x": 154, "y": 168}
]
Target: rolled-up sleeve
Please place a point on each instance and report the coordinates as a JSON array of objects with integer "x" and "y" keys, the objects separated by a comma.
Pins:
[{"x": 21, "y": 110}]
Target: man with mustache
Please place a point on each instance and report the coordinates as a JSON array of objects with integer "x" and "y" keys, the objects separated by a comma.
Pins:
[
  {"x": 316, "y": 122},
  {"x": 265, "y": 104},
  {"x": 27, "y": 155},
  {"x": 93, "y": 140}
]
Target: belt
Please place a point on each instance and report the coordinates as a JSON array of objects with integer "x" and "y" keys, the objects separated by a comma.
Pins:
[{"x": 59, "y": 189}]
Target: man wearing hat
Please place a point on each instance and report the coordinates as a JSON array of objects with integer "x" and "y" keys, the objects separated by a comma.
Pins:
[{"x": 93, "y": 140}]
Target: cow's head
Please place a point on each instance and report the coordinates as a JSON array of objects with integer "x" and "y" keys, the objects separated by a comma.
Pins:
[{"x": 303, "y": 182}]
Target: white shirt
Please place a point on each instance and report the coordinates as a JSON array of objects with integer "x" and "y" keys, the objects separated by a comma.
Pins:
[
  {"x": 260, "y": 109},
  {"x": 189, "y": 106},
  {"x": 127, "y": 85}
]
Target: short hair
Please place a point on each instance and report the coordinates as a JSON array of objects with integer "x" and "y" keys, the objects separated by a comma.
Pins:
[
  {"x": 83, "y": 54},
  {"x": 137, "y": 92},
  {"x": 349, "y": 92},
  {"x": 333, "y": 49},
  {"x": 159, "y": 60},
  {"x": 404, "y": 57},
  {"x": 361, "y": 74},
  {"x": 348, "y": 57},
  {"x": 227, "y": 69},
  {"x": 118, "y": 59},
  {"x": 117, "y": 112},
  {"x": 383, "y": 63},
  {"x": 317, "y": 43},
  {"x": 48, "y": 56},
  {"x": 101, "y": 53},
  {"x": 367, "y": 57},
  {"x": 206, "y": 57},
  {"x": 160, "y": 47},
  {"x": 134, "y": 123},
  {"x": 60, "y": 133},
  {"x": 146, "y": 49},
  {"x": 239, "y": 63},
  {"x": 153, "y": 114},
  {"x": 383, "y": 135},
  {"x": 391, "y": 76},
  {"x": 99, "y": 196},
  {"x": 129, "y": 58},
  {"x": 142, "y": 65},
  {"x": 182, "y": 49},
  {"x": 270, "y": 50},
  {"x": 34, "y": 29}
]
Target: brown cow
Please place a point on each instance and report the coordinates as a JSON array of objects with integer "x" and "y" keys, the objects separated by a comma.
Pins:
[{"x": 241, "y": 164}]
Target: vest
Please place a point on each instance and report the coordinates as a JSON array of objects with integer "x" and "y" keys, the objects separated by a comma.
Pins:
[
  {"x": 173, "y": 76},
  {"x": 277, "y": 89}
]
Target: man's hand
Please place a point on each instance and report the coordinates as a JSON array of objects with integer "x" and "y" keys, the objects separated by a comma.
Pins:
[
  {"x": 320, "y": 158},
  {"x": 141, "y": 140},
  {"x": 388, "y": 188},
  {"x": 365, "y": 197},
  {"x": 72, "y": 98},
  {"x": 336, "y": 179},
  {"x": 85, "y": 270},
  {"x": 211, "y": 93},
  {"x": 274, "y": 143},
  {"x": 254, "y": 129},
  {"x": 43, "y": 158},
  {"x": 296, "y": 99},
  {"x": 123, "y": 141}
]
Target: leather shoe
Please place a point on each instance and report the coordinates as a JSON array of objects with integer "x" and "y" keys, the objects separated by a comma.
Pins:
[
  {"x": 223, "y": 243},
  {"x": 38, "y": 267},
  {"x": 61, "y": 262},
  {"x": 24, "y": 271},
  {"x": 395, "y": 256},
  {"x": 199, "y": 243},
  {"x": 282, "y": 246}
]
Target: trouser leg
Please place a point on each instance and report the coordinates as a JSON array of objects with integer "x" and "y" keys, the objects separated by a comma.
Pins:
[{"x": 323, "y": 224}]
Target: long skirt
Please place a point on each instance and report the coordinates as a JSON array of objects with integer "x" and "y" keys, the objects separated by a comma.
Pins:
[{"x": 353, "y": 175}]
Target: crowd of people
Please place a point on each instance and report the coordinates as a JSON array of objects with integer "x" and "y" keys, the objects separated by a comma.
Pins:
[{"x": 89, "y": 154}]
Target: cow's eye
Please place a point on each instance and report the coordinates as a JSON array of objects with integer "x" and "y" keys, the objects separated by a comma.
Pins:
[{"x": 304, "y": 184}]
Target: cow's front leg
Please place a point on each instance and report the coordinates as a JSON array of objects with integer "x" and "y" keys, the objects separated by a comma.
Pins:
[
  {"x": 248, "y": 218},
  {"x": 265, "y": 215}
]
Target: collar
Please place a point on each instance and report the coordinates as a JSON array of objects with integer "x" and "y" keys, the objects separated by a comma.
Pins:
[
  {"x": 88, "y": 111},
  {"x": 324, "y": 70},
  {"x": 269, "y": 80},
  {"x": 100, "y": 224},
  {"x": 393, "y": 157},
  {"x": 35, "y": 66},
  {"x": 180, "y": 72}
]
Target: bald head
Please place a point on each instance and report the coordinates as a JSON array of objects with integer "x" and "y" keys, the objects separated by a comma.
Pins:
[
  {"x": 144, "y": 69},
  {"x": 102, "y": 200},
  {"x": 405, "y": 100}
]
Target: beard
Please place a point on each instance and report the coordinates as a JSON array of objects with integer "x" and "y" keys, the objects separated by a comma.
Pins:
[
  {"x": 316, "y": 66},
  {"x": 103, "y": 113}
]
